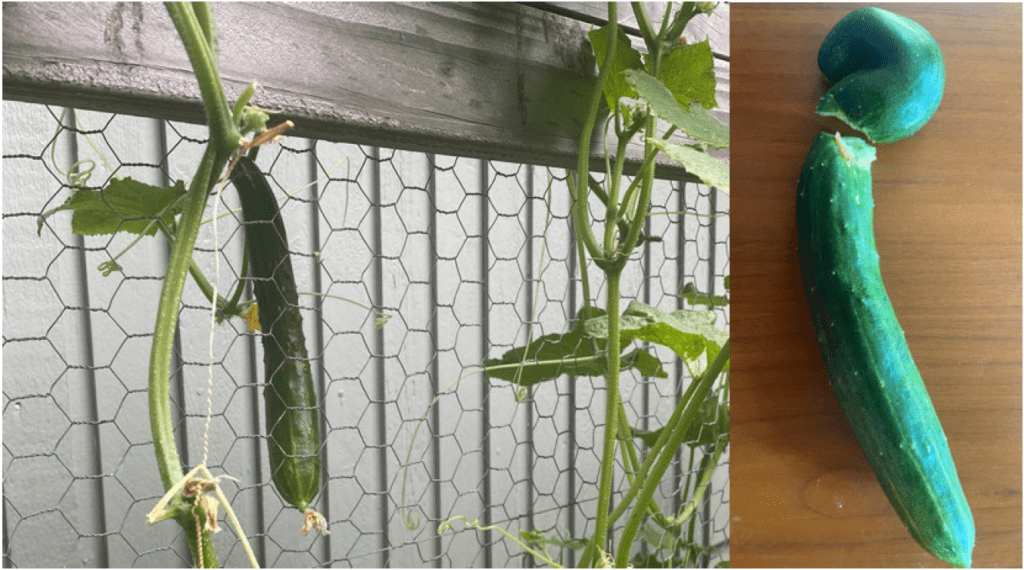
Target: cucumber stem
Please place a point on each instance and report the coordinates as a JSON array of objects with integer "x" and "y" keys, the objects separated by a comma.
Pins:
[
  {"x": 194, "y": 24},
  {"x": 581, "y": 214},
  {"x": 703, "y": 386},
  {"x": 604, "y": 493}
]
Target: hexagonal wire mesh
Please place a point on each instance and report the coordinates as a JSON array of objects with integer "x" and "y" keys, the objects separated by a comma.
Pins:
[{"x": 468, "y": 257}]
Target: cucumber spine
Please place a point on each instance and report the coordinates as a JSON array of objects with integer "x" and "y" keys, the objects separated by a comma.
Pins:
[{"x": 868, "y": 362}]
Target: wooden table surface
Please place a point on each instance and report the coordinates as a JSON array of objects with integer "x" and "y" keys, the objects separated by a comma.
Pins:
[{"x": 948, "y": 229}]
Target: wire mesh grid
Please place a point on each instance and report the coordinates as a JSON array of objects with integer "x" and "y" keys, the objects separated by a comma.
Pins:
[{"x": 468, "y": 258}]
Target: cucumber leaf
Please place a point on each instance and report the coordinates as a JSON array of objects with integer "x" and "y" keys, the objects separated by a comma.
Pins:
[
  {"x": 543, "y": 359},
  {"x": 687, "y": 333},
  {"x": 693, "y": 119},
  {"x": 124, "y": 205},
  {"x": 695, "y": 297},
  {"x": 712, "y": 171},
  {"x": 549, "y": 357},
  {"x": 626, "y": 58},
  {"x": 712, "y": 423},
  {"x": 688, "y": 71},
  {"x": 644, "y": 362},
  {"x": 713, "y": 349}
]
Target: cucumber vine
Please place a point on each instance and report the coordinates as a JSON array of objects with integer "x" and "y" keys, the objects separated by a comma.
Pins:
[{"x": 669, "y": 88}]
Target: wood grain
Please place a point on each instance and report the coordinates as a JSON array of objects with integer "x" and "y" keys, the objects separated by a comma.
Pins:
[
  {"x": 948, "y": 228},
  {"x": 499, "y": 81}
]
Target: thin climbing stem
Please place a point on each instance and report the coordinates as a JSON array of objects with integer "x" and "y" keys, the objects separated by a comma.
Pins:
[
  {"x": 584, "y": 278},
  {"x": 224, "y": 133},
  {"x": 581, "y": 215},
  {"x": 604, "y": 492},
  {"x": 161, "y": 423},
  {"x": 194, "y": 24},
  {"x": 645, "y": 467},
  {"x": 703, "y": 387}
]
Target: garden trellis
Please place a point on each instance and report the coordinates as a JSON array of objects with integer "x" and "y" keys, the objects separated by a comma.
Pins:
[{"x": 425, "y": 181}]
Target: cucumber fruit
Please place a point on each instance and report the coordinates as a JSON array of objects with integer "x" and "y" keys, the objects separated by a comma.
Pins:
[
  {"x": 291, "y": 409},
  {"x": 887, "y": 74},
  {"x": 866, "y": 356}
]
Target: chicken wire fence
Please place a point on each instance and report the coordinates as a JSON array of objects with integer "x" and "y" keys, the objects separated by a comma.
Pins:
[{"x": 465, "y": 258}]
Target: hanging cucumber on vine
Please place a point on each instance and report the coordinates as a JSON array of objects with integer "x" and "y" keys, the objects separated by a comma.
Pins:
[{"x": 292, "y": 418}]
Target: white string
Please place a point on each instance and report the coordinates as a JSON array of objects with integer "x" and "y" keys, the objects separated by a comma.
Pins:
[{"x": 213, "y": 316}]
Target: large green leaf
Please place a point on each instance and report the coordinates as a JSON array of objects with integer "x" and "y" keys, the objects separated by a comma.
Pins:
[
  {"x": 124, "y": 205},
  {"x": 694, "y": 119},
  {"x": 687, "y": 333},
  {"x": 544, "y": 359},
  {"x": 551, "y": 355},
  {"x": 644, "y": 362},
  {"x": 712, "y": 171},
  {"x": 688, "y": 71},
  {"x": 626, "y": 58}
]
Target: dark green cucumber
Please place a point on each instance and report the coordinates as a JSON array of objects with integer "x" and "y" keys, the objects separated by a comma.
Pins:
[
  {"x": 866, "y": 356},
  {"x": 887, "y": 72},
  {"x": 291, "y": 410}
]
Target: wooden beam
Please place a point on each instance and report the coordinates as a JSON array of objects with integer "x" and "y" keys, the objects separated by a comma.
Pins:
[
  {"x": 715, "y": 27},
  {"x": 486, "y": 80}
]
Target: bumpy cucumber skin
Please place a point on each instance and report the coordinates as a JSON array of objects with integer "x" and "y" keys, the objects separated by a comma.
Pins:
[
  {"x": 887, "y": 74},
  {"x": 290, "y": 401},
  {"x": 866, "y": 356}
]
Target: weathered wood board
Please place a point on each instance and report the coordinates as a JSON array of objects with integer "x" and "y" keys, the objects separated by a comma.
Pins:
[{"x": 485, "y": 80}]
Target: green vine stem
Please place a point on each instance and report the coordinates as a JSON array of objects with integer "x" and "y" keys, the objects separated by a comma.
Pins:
[
  {"x": 581, "y": 215},
  {"x": 204, "y": 18},
  {"x": 703, "y": 387},
  {"x": 224, "y": 133},
  {"x": 604, "y": 493},
  {"x": 240, "y": 286},
  {"x": 706, "y": 470},
  {"x": 475, "y": 523},
  {"x": 646, "y": 30},
  {"x": 622, "y": 224},
  {"x": 164, "y": 445},
  {"x": 612, "y": 215},
  {"x": 584, "y": 277},
  {"x": 225, "y": 308},
  {"x": 641, "y": 473},
  {"x": 224, "y": 141},
  {"x": 613, "y": 271}
]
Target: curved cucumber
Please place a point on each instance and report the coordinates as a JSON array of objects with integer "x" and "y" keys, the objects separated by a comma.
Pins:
[
  {"x": 869, "y": 365},
  {"x": 291, "y": 414},
  {"x": 887, "y": 74}
]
